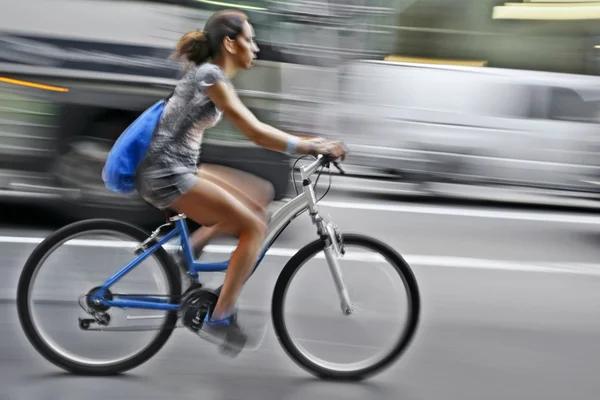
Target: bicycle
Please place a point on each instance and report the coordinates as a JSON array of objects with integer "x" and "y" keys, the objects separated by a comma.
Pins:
[{"x": 192, "y": 306}]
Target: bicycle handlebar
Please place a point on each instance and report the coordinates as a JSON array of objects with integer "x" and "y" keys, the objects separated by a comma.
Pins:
[
  {"x": 322, "y": 160},
  {"x": 330, "y": 159}
]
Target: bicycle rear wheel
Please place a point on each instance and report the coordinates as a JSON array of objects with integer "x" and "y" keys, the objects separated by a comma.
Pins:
[
  {"x": 314, "y": 316},
  {"x": 61, "y": 303}
]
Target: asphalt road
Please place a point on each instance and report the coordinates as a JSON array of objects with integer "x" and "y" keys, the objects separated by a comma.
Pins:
[{"x": 510, "y": 310}]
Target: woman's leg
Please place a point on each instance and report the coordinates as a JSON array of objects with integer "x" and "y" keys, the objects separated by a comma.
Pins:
[
  {"x": 249, "y": 189},
  {"x": 209, "y": 204}
]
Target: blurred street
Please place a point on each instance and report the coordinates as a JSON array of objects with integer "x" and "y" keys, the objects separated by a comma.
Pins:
[{"x": 510, "y": 310}]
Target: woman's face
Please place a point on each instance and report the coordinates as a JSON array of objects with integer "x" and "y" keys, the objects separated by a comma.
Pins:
[{"x": 246, "y": 47}]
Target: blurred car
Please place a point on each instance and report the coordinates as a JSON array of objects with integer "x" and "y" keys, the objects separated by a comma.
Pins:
[{"x": 435, "y": 123}]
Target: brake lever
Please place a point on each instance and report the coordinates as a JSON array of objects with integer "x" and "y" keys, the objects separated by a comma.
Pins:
[{"x": 335, "y": 164}]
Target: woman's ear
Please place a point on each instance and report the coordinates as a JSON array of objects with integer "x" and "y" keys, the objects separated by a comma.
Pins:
[{"x": 230, "y": 45}]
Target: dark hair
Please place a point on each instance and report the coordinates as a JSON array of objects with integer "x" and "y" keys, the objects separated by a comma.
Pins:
[{"x": 198, "y": 46}]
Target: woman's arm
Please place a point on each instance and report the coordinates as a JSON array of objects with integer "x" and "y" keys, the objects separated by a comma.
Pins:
[{"x": 227, "y": 100}]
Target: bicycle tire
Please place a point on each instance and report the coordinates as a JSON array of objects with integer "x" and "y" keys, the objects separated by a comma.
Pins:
[
  {"x": 286, "y": 276},
  {"x": 39, "y": 254}
]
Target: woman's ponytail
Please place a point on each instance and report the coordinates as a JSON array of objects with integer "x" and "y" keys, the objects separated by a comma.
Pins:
[
  {"x": 193, "y": 47},
  {"x": 198, "y": 46}
]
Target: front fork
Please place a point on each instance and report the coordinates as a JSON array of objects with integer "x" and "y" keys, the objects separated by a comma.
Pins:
[{"x": 334, "y": 248}]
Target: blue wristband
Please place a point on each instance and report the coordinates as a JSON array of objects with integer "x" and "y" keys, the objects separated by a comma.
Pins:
[{"x": 291, "y": 145}]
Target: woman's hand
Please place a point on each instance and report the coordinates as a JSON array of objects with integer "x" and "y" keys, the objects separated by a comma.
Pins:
[
  {"x": 334, "y": 148},
  {"x": 316, "y": 140}
]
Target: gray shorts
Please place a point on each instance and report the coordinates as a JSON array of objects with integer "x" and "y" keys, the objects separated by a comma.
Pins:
[{"x": 161, "y": 186}]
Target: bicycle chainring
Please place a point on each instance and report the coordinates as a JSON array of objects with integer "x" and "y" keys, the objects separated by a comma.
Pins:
[{"x": 195, "y": 305}]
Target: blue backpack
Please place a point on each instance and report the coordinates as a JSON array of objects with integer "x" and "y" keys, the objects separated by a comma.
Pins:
[{"x": 126, "y": 154}]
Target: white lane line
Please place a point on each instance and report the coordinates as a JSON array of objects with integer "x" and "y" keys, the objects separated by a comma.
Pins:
[
  {"x": 411, "y": 259},
  {"x": 467, "y": 212}
]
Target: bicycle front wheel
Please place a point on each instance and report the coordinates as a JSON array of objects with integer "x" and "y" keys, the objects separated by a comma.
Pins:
[
  {"x": 68, "y": 265},
  {"x": 369, "y": 269}
]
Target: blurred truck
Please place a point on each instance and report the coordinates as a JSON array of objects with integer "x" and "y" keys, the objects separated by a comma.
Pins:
[{"x": 75, "y": 73}]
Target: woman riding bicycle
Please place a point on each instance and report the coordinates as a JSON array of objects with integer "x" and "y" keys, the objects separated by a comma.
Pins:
[{"x": 168, "y": 176}]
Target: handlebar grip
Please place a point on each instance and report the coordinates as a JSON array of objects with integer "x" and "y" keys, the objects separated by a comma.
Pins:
[
  {"x": 335, "y": 164},
  {"x": 330, "y": 159},
  {"x": 327, "y": 158}
]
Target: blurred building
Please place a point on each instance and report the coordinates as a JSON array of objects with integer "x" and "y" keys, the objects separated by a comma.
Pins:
[{"x": 534, "y": 34}]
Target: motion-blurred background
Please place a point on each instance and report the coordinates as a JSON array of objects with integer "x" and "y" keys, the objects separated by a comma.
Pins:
[{"x": 433, "y": 97}]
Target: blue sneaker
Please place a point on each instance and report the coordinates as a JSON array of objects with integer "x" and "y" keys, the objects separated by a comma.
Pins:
[{"x": 225, "y": 332}]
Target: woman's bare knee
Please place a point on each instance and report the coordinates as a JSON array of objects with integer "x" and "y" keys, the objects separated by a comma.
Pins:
[
  {"x": 208, "y": 204},
  {"x": 253, "y": 225}
]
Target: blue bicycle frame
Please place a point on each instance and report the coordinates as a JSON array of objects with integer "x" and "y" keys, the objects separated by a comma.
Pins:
[
  {"x": 278, "y": 222},
  {"x": 159, "y": 303}
]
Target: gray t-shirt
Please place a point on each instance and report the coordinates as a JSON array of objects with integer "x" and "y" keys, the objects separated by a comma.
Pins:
[{"x": 189, "y": 111}]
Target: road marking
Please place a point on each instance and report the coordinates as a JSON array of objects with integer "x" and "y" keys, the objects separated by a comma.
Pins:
[
  {"x": 411, "y": 259},
  {"x": 467, "y": 212}
]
